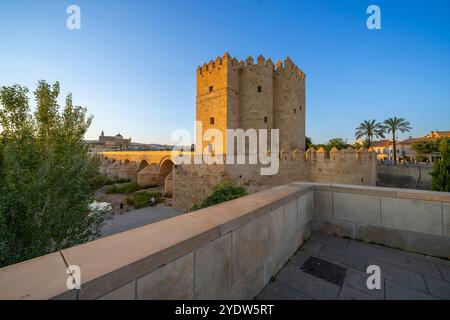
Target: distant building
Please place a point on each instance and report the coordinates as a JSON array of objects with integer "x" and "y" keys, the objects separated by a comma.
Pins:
[
  {"x": 383, "y": 148},
  {"x": 438, "y": 134},
  {"x": 108, "y": 143},
  {"x": 406, "y": 146}
]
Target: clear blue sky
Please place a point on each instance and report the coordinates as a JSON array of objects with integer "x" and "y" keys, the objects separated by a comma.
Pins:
[{"x": 133, "y": 63}]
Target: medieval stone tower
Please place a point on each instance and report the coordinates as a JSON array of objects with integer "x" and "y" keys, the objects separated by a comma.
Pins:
[{"x": 245, "y": 94}]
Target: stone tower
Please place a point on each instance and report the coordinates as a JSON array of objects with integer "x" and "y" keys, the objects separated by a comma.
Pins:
[{"x": 249, "y": 94}]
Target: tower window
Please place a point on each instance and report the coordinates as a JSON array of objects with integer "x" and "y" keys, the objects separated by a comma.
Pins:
[
  {"x": 259, "y": 89},
  {"x": 300, "y": 108},
  {"x": 211, "y": 120},
  {"x": 295, "y": 110},
  {"x": 265, "y": 119},
  {"x": 211, "y": 88}
]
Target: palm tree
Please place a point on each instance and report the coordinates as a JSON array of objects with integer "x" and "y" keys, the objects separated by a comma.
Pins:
[
  {"x": 370, "y": 129},
  {"x": 393, "y": 125}
]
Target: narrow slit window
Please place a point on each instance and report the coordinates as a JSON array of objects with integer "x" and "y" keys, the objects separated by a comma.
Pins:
[
  {"x": 211, "y": 120},
  {"x": 259, "y": 89},
  {"x": 265, "y": 119},
  {"x": 211, "y": 88}
]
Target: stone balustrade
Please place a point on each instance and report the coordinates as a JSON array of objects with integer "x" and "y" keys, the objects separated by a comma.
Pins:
[{"x": 231, "y": 250}]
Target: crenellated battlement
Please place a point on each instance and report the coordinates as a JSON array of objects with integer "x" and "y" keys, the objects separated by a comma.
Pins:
[
  {"x": 217, "y": 64},
  {"x": 289, "y": 67},
  {"x": 249, "y": 64},
  {"x": 344, "y": 155},
  {"x": 320, "y": 155}
]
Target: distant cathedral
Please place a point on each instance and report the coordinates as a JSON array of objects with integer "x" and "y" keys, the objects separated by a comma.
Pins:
[{"x": 108, "y": 143}]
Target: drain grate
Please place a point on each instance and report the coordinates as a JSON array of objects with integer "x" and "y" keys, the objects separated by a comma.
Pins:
[{"x": 324, "y": 270}]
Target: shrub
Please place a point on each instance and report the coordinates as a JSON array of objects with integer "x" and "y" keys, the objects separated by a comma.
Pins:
[
  {"x": 120, "y": 181},
  {"x": 221, "y": 193},
  {"x": 129, "y": 187},
  {"x": 99, "y": 181},
  {"x": 441, "y": 169},
  {"x": 421, "y": 159},
  {"x": 142, "y": 199}
]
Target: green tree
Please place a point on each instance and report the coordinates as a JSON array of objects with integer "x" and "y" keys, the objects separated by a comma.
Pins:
[
  {"x": 369, "y": 129},
  {"x": 393, "y": 125},
  {"x": 337, "y": 143},
  {"x": 308, "y": 143},
  {"x": 441, "y": 169},
  {"x": 427, "y": 146},
  {"x": 44, "y": 175}
]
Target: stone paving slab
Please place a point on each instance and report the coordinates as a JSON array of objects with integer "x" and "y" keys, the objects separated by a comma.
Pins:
[
  {"x": 344, "y": 258},
  {"x": 312, "y": 247},
  {"x": 358, "y": 280},
  {"x": 314, "y": 287},
  {"x": 325, "y": 239},
  {"x": 445, "y": 271},
  {"x": 404, "y": 275},
  {"x": 276, "y": 290},
  {"x": 438, "y": 288},
  {"x": 400, "y": 275},
  {"x": 390, "y": 256},
  {"x": 300, "y": 257},
  {"x": 396, "y": 291},
  {"x": 349, "y": 293}
]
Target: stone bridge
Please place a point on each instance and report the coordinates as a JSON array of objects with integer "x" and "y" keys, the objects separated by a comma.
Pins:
[{"x": 144, "y": 167}]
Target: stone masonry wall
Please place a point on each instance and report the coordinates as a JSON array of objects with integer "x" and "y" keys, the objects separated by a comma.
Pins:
[
  {"x": 193, "y": 183},
  {"x": 400, "y": 176},
  {"x": 412, "y": 220},
  {"x": 345, "y": 166},
  {"x": 231, "y": 250}
]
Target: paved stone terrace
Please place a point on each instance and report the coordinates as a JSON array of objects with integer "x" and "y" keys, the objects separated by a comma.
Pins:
[{"x": 405, "y": 276}]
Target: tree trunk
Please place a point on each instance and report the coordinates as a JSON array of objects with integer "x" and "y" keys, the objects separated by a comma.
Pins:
[{"x": 395, "y": 147}]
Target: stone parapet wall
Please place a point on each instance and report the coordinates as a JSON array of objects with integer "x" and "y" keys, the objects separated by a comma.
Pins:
[
  {"x": 401, "y": 176},
  {"x": 231, "y": 250},
  {"x": 228, "y": 251},
  {"x": 412, "y": 220},
  {"x": 193, "y": 183}
]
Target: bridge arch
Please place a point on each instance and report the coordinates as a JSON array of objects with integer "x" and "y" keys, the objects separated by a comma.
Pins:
[
  {"x": 165, "y": 167},
  {"x": 142, "y": 164}
]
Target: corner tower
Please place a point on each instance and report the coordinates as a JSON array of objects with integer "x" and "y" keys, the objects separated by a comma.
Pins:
[
  {"x": 290, "y": 105},
  {"x": 217, "y": 95},
  {"x": 249, "y": 95}
]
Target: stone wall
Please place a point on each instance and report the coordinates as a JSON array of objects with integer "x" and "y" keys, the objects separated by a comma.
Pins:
[
  {"x": 417, "y": 221},
  {"x": 231, "y": 250},
  {"x": 400, "y": 176},
  {"x": 344, "y": 166},
  {"x": 193, "y": 183}
]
